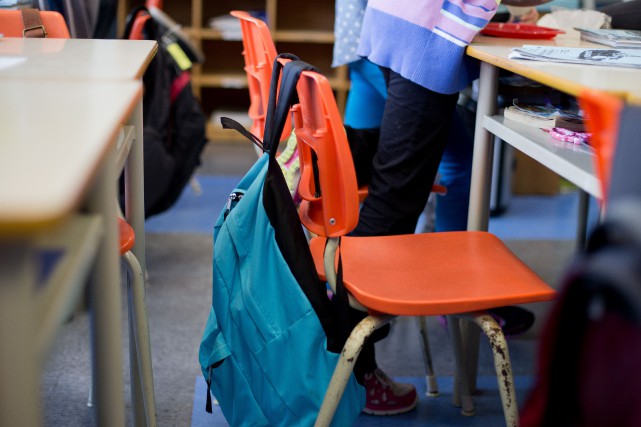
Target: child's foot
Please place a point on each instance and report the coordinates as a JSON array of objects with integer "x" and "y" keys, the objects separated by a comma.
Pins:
[{"x": 386, "y": 397}]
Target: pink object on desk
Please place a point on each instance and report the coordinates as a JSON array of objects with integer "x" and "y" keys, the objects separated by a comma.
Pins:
[{"x": 567, "y": 135}]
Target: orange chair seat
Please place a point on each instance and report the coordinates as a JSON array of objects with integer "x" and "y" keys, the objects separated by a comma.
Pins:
[
  {"x": 127, "y": 236},
  {"x": 382, "y": 273}
]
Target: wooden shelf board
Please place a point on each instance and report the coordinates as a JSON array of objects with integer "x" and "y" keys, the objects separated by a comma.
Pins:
[
  {"x": 304, "y": 36},
  {"x": 239, "y": 81},
  {"x": 217, "y": 133},
  {"x": 222, "y": 80},
  {"x": 210, "y": 34}
]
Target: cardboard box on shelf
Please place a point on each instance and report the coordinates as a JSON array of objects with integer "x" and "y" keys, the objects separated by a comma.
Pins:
[{"x": 532, "y": 178}]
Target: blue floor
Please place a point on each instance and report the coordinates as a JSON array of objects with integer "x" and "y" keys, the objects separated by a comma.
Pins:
[
  {"x": 526, "y": 217},
  {"x": 195, "y": 212},
  {"x": 541, "y": 218},
  {"x": 433, "y": 411}
]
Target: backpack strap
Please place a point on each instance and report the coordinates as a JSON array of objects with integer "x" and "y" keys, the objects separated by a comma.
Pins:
[
  {"x": 228, "y": 123},
  {"x": 280, "y": 101},
  {"x": 281, "y": 98},
  {"x": 32, "y": 24}
]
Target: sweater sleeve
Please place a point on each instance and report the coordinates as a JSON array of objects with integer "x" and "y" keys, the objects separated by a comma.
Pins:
[{"x": 425, "y": 40}]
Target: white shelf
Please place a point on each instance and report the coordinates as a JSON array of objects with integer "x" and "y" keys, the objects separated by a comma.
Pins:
[
  {"x": 572, "y": 161},
  {"x": 77, "y": 241}
]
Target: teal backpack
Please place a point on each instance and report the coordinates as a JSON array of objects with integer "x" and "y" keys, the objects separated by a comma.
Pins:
[{"x": 273, "y": 336}]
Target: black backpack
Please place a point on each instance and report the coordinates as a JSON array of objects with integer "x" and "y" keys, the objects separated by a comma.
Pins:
[{"x": 174, "y": 124}]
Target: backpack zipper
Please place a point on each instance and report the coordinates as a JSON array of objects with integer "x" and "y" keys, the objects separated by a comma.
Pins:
[{"x": 232, "y": 201}]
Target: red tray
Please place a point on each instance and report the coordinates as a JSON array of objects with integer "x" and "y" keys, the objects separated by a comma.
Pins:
[{"x": 520, "y": 31}]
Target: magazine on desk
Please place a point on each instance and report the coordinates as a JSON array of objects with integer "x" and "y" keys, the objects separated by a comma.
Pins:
[
  {"x": 612, "y": 37},
  {"x": 629, "y": 58}
]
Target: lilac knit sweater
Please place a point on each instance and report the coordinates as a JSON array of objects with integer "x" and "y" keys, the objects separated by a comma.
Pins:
[{"x": 425, "y": 40}]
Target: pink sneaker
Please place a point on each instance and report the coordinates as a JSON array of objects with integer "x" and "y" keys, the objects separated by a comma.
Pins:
[{"x": 386, "y": 397}]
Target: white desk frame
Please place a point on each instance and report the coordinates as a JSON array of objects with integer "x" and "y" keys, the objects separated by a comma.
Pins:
[
  {"x": 57, "y": 61},
  {"x": 570, "y": 162},
  {"x": 58, "y": 153},
  {"x": 563, "y": 158}
]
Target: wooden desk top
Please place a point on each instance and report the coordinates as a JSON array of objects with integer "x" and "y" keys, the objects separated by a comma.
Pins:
[
  {"x": 568, "y": 78},
  {"x": 54, "y": 137},
  {"x": 72, "y": 59}
]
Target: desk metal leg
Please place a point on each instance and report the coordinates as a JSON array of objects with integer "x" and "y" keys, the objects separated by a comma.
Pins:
[
  {"x": 582, "y": 224},
  {"x": 19, "y": 363},
  {"x": 106, "y": 303},
  {"x": 135, "y": 186},
  {"x": 479, "y": 210},
  {"x": 478, "y": 214},
  {"x": 135, "y": 213}
]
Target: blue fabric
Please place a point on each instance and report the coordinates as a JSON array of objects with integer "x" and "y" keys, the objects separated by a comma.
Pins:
[
  {"x": 364, "y": 110},
  {"x": 348, "y": 18},
  {"x": 366, "y": 96},
  {"x": 455, "y": 172},
  {"x": 275, "y": 367},
  {"x": 423, "y": 56}
]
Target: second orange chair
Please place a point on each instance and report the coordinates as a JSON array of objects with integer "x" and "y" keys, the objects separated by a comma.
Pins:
[{"x": 451, "y": 273}]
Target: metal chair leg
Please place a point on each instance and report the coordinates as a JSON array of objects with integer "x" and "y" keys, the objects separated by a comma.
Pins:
[
  {"x": 141, "y": 357},
  {"x": 470, "y": 339},
  {"x": 502, "y": 366},
  {"x": 430, "y": 379},
  {"x": 461, "y": 395},
  {"x": 137, "y": 398},
  {"x": 345, "y": 366}
]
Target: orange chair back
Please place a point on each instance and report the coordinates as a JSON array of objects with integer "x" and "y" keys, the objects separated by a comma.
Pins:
[
  {"x": 602, "y": 111},
  {"x": 328, "y": 180},
  {"x": 138, "y": 26},
  {"x": 259, "y": 53},
  {"x": 54, "y": 23}
]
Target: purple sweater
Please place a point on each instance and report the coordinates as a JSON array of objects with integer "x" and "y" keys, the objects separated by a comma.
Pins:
[{"x": 425, "y": 40}]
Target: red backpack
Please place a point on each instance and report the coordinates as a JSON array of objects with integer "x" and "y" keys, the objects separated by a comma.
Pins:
[{"x": 588, "y": 367}]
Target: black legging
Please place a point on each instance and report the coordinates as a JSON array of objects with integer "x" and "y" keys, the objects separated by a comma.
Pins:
[{"x": 412, "y": 139}]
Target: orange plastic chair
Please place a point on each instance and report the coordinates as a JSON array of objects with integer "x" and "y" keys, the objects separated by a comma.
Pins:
[
  {"x": 259, "y": 53},
  {"x": 603, "y": 111},
  {"x": 138, "y": 26},
  {"x": 53, "y": 22},
  {"x": 466, "y": 273}
]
